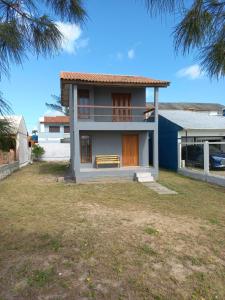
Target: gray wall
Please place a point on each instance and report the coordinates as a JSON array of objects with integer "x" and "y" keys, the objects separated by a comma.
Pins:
[
  {"x": 111, "y": 143},
  {"x": 7, "y": 170},
  {"x": 103, "y": 96}
]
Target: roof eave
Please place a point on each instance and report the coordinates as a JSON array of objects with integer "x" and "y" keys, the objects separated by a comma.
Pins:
[
  {"x": 119, "y": 84},
  {"x": 110, "y": 84}
]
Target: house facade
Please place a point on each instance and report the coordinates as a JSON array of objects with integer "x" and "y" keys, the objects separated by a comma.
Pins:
[
  {"x": 183, "y": 126},
  {"x": 107, "y": 118},
  {"x": 53, "y": 136}
]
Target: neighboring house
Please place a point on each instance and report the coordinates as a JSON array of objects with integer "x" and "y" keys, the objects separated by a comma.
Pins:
[
  {"x": 107, "y": 117},
  {"x": 210, "y": 108},
  {"x": 19, "y": 132},
  {"x": 53, "y": 136},
  {"x": 186, "y": 126}
]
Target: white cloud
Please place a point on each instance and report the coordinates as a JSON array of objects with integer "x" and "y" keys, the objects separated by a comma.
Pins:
[
  {"x": 52, "y": 113},
  {"x": 131, "y": 54},
  {"x": 191, "y": 72},
  {"x": 72, "y": 37},
  {"x": 121, "y": 55}
]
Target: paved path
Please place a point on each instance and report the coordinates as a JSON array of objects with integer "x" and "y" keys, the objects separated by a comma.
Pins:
[{"x": 158, "y": 188}]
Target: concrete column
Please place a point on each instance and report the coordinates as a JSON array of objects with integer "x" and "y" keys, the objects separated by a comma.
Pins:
[
  {"x": 206, "y": 157},
  {"x": 75, "y": 96},
  {"x": 76, "y": 152},
  {"x": 155, "y": 135},
  {"x": 71, "y": 109},
  {"x": 156, "y": 103}
]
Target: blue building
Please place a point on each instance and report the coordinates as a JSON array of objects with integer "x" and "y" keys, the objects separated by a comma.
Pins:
[{"x": 186, "y": 126}]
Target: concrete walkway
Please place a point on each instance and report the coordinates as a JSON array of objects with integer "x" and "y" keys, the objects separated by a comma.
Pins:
[{"x": 158, "y": 188}]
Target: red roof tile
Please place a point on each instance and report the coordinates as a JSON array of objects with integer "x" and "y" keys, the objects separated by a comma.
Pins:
[
  {"x": 112, "y": 79},
  {"x": 57, "y": 119}
]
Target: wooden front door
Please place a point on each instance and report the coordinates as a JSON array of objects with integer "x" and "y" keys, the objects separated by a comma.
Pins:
[
  {"x": 130, "y": 150},
  {"x": 122, "y": 114}
]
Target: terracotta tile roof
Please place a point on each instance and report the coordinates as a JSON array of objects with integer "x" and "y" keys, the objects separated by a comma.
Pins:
[
  {"x": 57, "y": 119},
  {"x": 89, "y": 78}
]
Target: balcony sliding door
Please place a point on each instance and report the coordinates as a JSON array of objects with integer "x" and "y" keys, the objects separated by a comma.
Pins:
[{"x": 122, "y": 114}]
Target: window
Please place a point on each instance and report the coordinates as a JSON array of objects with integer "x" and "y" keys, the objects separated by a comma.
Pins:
[
  {"x": 54, "y": 128},
  {"x": 83, "y": 99},
  {"x": 66, "y": 129},
  {"x": 85, "y": 149}
]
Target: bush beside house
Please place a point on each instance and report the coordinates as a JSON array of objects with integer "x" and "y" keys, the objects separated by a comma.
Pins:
[{"x": 37, "y": 152}]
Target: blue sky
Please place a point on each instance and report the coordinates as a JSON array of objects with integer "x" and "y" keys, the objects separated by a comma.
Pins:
[{"x": 118, "y": 38}]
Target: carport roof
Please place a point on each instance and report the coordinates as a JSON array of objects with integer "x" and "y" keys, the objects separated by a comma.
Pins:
[{"x": 194, "y": 120}]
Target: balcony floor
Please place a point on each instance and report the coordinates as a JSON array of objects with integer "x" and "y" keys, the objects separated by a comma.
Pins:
[{"x": 114, "y": 126}]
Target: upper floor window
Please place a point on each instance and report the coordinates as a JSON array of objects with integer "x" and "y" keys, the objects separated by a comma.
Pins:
[
  {"x": 83, "y": 102},
  {"x": 54, "y": 128},
  {"x": 66, "y": 129}
]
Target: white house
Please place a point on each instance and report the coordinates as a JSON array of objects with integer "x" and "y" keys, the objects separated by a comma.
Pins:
[{"x": 54, "y": 137}]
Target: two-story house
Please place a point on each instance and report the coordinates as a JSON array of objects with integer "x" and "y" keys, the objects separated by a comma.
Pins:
[
  {"x": 109, "y": 132},
  {"x": 53, "y": 136}
]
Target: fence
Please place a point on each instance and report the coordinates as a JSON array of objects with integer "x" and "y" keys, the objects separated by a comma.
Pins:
[
  {"x": 7, "y": 157},
  {"x": 202, "y": 160}
]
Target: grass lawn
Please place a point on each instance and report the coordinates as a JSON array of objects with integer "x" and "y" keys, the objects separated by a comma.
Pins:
[{"x": 109, "y": 241}]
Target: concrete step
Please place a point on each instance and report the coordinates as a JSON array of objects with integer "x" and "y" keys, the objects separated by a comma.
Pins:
[{"x": 144, "y": 177}]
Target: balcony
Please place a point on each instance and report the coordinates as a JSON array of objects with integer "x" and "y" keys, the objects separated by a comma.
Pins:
[
  {"x": 103, "y": 113},
  {"x": 102, "y": 117}
]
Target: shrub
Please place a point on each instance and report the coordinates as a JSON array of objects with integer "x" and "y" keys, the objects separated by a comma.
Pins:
[{"x": 37, "y": 151}]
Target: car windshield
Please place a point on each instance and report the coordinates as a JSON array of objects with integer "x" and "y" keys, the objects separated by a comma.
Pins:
[{"x": 215, "y": 149}]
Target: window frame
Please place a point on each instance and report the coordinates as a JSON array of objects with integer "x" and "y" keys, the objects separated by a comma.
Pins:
[
  {"x": 68, "y": 127},
  {"x": 53, "y": 131}
]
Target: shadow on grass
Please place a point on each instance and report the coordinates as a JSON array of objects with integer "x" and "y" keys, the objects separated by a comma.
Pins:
[{"x": 54, "y": 168}]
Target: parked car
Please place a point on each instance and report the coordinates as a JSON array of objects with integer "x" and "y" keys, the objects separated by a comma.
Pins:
[
  {"x": 194, "y": 157},
  {"x": 217, "y": 160}
]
